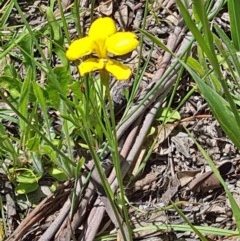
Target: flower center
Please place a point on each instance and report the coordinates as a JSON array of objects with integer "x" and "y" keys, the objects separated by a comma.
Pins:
[{"x": 100, "y": 48}]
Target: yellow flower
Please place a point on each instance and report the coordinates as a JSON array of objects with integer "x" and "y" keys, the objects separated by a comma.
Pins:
[{"x": 102, "y": 40}]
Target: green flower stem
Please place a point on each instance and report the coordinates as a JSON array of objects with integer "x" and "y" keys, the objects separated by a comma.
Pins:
[
  {"x": 105, "y": 78},
  {"x": 87, "y": 135}
]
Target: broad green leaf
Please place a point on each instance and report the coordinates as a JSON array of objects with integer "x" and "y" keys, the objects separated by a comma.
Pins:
[
  {"x": 27, "y": 176},
  {"x": 56, "y": 40},
  {"x": 33, "y": 143},
  {"x": 47, "y": 150},
  {"x": 167, "y": 115},
  {"x": 24, "y": 188},
  {"x": 57, "y": 174}
]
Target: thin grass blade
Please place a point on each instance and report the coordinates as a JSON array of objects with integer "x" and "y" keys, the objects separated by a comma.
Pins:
[{"x": 233, "y": 9}]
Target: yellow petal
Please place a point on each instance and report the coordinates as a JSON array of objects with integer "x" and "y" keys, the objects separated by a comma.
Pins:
[
  {"x": 90, "y": 65},
  {"x": 121, "y": 43},
  {"x": 80, "y": 48},
  {"x": 118, "y": 70},
  {"x": 102, "y": 28}
]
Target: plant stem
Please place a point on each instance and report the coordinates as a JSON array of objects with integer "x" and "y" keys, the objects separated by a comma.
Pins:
[{"x": 114, "y": 150}]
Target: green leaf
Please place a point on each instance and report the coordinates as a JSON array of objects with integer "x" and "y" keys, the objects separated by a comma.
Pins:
[
  {"x": 26, "y": 46},
  {"x": 41, "y": 98},
  {"x": 199, "y": 8},
  {"x": 220, "y": 108},
  {"x": 234, "y": 205},
  {"x": 232, "y": 51},
  {"x": 156, "y": 40},
  {"x": 13, "y": 43},
  {"x": 196, "y": 231},
  {"x": 24, "y": 99},
  {"x": 55, "y": 28},
  {"x": 24, "y": 188},
  {"x": 33, "y": 143},
  {"x": 5, "y": 13},
  {"x": 233, "y": 8},
  {"x": 167, "y": 115},
  {"x": 152, "y": 131},
  {"x": 27, "y": 176},
  {"x": 196, "y": 66},
  {"x": 206, "y": 46},
  {"x": 11, "y": 85},
  {"x": 57, "y": 174},
  {"x": 186, "y": 228},
  {"x": 47, "y": 150},
  {"x": 53, "y": 93}
]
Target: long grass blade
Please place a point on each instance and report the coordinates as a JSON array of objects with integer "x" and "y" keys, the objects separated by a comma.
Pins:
[{"x": 233, "y": 8}]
